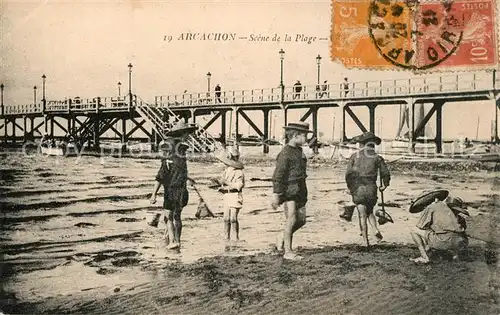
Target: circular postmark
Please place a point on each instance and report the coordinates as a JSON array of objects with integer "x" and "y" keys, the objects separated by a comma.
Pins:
[{"x": 414, "y": 35}]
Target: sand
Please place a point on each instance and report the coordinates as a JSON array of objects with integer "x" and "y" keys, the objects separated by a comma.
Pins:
[{"x": 75, "y": 240}]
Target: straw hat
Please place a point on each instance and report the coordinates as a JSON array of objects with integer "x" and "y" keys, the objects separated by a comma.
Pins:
[
  {"x": 299, "y": 126},
  {"x": 428, "y": 198},
  {"x": 225, "y": 157},
  {"x": 181, "y": 128},
  {"x": 367, "y": 137},
  {"x": 457, "y": 204}
]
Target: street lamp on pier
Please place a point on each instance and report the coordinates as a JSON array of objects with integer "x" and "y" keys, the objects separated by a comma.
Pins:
[
  {"x": 119, "y": 89},
  {"x": 282, "y": 86},
  {"x": 318, "y": 61},
  {"x": 44, "y": 102},
  {"x": 209, "y": 75},
  {"x": 34, "y": 96},
  {"x": 130, "y": 84}
]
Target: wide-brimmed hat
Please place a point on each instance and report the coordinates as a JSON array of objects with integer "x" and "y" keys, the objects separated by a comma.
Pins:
[
  {"x": 428, "y": 198},
  {"x": 225, "y": 157},
  {"x": 299, "y": 126},
  {"x": 181, "y": 128},
  {"x": 367, "y": 137},
  {"x": 457, "y": 204}
]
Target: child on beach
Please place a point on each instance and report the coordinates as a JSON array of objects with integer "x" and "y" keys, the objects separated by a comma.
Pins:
[
  {"x": 173, "y": 175},
  {"x": 361, "y": 178},
  {"x": 232, "y": 183},
  {"x": 289, "y": 185}
]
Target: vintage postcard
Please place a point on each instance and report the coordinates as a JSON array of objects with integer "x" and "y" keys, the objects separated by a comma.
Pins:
[{"x": 249, "y": 157}]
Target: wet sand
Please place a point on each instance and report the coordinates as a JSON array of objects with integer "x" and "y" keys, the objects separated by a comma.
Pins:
[{"x": 75, "y": 240}]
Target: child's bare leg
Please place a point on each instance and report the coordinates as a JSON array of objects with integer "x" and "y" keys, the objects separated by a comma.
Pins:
[
  {"x": 418, "y": 238},
  {"x": 227, "y": 222},
  {"x": 291, "y": 226},
  {"x": 177, "y": 226},
  {"x": 373, "y": 223},
  {"x": 169, "y": 221},
  {"x": 363, "y": 223},
  {"x": 235, "y": 224}
]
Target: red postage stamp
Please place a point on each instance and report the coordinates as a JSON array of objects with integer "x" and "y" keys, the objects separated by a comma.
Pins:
[{"x": 416, "y": 35}]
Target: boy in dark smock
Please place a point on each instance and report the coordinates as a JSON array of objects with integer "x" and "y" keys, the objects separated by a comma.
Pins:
[
  {"x": 173, "y": 175},
  {"x": 289, "y": 185},
  {"x": 362, "y": 171}
]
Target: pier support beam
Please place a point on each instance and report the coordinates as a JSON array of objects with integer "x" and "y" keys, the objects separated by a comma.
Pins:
[
  {"x": 14, "y": 130},
  {"x": 315, "y": 129},
  {"x": 25, "y": 134},
  {"x": 69, "y": 131},
  {"x": 223, "y": 127},
  {"x": 371, "y": 109},
  {"x": 439, "y": 126},
  {"x": 96, "y": 133},
  {"x": 285, "y": 122},
  {"x": 124, "y": 134},
  {"x": 237, "y": 128},
  {"x": 265, "y": 137}
]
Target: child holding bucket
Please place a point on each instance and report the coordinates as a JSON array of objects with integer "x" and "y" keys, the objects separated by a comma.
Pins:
[
  {"x": 361, "y": 178},
  {"x": 289, "y": 185},
  {"x": 232, "y": 183}
]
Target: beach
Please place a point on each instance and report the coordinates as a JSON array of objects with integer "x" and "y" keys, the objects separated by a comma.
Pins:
[{"x": 76, "y": 240}]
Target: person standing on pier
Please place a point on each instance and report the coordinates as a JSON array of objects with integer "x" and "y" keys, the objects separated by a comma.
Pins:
[
  {"x": 361, "y": 175},
  {"x": 345, "y": 87},
  {"x": 298, "y": 89},
  {"x": 173, "y": 175},
  {"x": 289, "y": 185},
  {"x": 218, "y": 93}
]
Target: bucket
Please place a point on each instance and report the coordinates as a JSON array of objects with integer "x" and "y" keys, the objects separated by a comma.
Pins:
[{"x": 348, "y": 212}]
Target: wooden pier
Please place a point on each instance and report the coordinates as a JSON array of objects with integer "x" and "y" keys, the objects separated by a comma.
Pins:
[{"x": 89, "y": 119}]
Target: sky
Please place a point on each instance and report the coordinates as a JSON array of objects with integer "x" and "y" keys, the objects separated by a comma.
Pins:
[{"x": 84, "y": 47}]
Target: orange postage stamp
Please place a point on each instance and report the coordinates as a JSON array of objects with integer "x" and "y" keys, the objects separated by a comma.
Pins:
[{"x": 415, "y": 35}]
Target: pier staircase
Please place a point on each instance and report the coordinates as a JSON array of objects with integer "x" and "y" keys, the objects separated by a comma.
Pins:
[{"x": 200, "y": 141}]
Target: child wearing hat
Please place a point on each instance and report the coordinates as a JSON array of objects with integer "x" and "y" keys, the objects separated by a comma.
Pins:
[
  {"x": 289, "y": 185},
  {"x": 232, "y": 183},
  {"x": 361, "y": 176},
  {"x": 173, "y": 175}
]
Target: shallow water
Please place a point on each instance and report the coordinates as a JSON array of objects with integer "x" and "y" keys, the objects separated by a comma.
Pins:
[{"x": 73, "y": 225}]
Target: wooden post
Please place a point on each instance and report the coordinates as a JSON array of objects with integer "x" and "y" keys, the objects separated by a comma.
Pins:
[
  {"x": 315, "y": 129},
  {"x": 124, "y": 134},
  {"x": 411, "y": 108},
  {"x": 265, "y": 139},
  {"x": 237, "y": 127},
  {"x": 371, "y": 109},
  {"x": 439, "y": 126},
  {"x": 25, "y": 135},
  {"x": 223, "y": 128}
]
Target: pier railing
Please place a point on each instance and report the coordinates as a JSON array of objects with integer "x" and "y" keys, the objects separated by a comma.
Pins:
[
  {"x": 428, "y": 85},
  {"x": 413, "y": 87}
]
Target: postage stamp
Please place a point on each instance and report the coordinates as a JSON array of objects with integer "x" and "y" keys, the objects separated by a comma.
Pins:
[{"x": 415, "y": 35}]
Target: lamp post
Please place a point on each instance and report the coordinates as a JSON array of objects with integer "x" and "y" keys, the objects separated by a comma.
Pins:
[
  {"x": 282, "y": 57},
  {"x": 318, "y": 61},
  {"x": 44, "y": 102},
  {"x": 34, "y": 96},
  {"x": 130, "y": 84},
  {"x": 209, "y": 75},
  {"x": 119, "y": 89}
]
